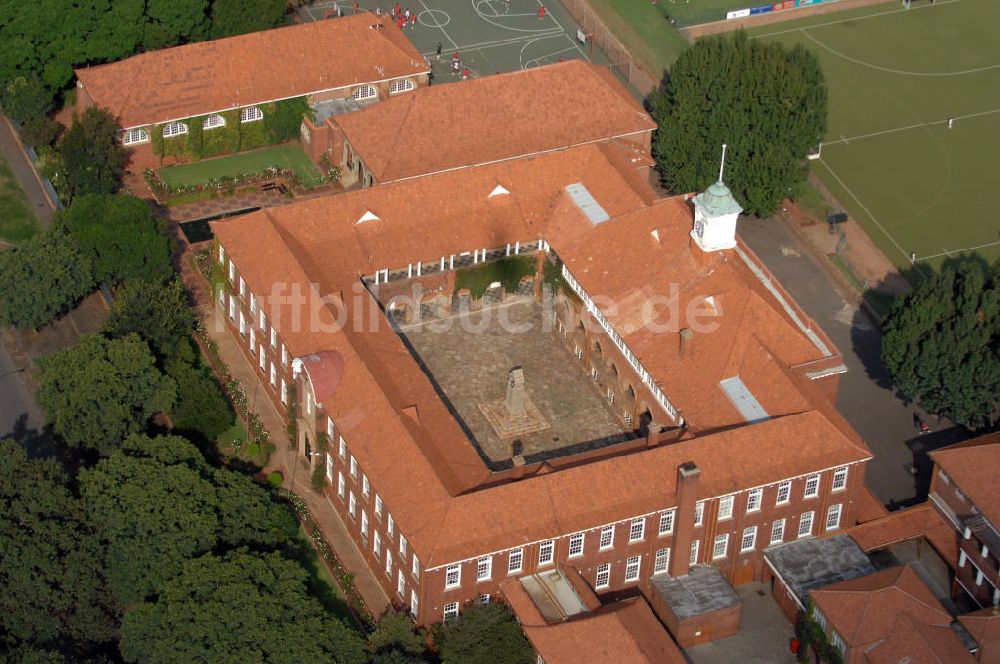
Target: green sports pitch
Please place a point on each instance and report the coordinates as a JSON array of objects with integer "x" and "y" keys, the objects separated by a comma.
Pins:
[{"x": 914, "y": 125}]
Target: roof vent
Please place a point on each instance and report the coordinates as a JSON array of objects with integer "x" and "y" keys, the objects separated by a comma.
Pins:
[
  {"x": 498, "y": 190},
  {"x": 367, "y": 216}
]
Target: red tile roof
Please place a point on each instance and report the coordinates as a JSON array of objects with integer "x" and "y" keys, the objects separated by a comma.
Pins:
[
  {"x": 914, "y": 642},
  {"x": 213, "y": 76},
  {"x": 972, "y": 466},
  {"x": 864, "y": 610},
  {"x": 923, "y": 520},
  {"x": 984, "y": 627},
  {"x": 427, "y": 472},
  {"x": 489, "y": 119},
  {"x": 624, "y": 632}
]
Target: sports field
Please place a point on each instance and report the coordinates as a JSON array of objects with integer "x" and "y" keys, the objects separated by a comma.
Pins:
[
  {"x": 490, "y": 36},
  {"x": 895, "y": 77}
]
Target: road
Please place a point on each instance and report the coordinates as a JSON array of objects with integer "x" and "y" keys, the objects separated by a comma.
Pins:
[
  {"x": 900, "y": 472},
  {"x": 20, "y": 417}
]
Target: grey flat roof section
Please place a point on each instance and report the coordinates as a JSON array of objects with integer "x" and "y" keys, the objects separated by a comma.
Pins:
[
  {"x": 702, "y": 591},
  {"x": 331, "y": 107},
  {"x": 553, "y": 594},
  {"x": 588, "y": 205},
  {"x": 743, "y": 399},
  {"x": 814, "y": 563}
]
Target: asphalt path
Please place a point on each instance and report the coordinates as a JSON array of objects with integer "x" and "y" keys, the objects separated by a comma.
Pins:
[{"x": 900, "y": 472}]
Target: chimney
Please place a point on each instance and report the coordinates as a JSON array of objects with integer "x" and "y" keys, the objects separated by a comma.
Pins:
[
  {"x": 518, "y": 468},
  {"x": 686, "y": 336},
  {"x": 687, "y": 496}
]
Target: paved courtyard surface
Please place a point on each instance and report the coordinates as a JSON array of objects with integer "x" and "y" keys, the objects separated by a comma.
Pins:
[
  {"x": 469, "y": 357},
  {"x": 763, "y": 636}
]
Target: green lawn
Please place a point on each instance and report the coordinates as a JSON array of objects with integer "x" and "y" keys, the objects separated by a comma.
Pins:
[
  {"x": 285, "y": 156},
  {"x": 17, "y": 221},
  {"x": 643, "y": 30},
  {"x": 894, "y": 77}
]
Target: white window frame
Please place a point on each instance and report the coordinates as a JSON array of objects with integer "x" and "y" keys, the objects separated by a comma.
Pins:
[
  {"x": 695, "y": 550},
  {"x": 342, "y": 448},
  {"x": 415, "y": 569},
  {"x": 607, "y": 540},
  {"x": 839, "y": 479},
  {"x": 515, "y": 561},
  {"x": 364, "y": 93},
  {"x": 403, "y": 546},
  {"x": 632, "y": 566},
  {"x": 284, "y": 392},
  {"x": 833, "y": 514},
  {"x": 726, "y": 507},
  {"x": 453, "y": 576},
  {"x": 352, "y": 504},
  {"x": 253, "y": 342},
  {"x": 243, "y": 288},
  {"x": 262, "y": 356},
  {"x": 755, "y": 498},
  {"x": 253, "y": 305},
  {"x": 450, "y": 611},
  {"x": 400, "y": 583},
  {"x": 637, "y": 530},
  {"x": 173, "y": 129},
  {"x": 213, "y": 121},
  {"x": 723, "y": 540},
  {"x": 354, "y": 467},
  {"x": 661, "y": 561},
  {"x": 414, "y": 603},
  {"x": 329, "y": 467},
  {"x": 546, "y": 552},
  {"x": 837, "y": 642},
  {"x": 273, "y": 375},
  {"x": 390, "y": 526},
  {"x": 777, "y": 531},
  {"x": 388, "y": 564},
  {"x": 250, "y": 114},
  {"x": 284, "y": 355},
  {"x": 806, "y": 519},
  {"x": 274, "y": 338},
  {"x": 784, "y": 489},
  {"x": 749, "y": 540},
  {"x": 401, "y": 85},
  {"x": 364, "y": 523},
  {"x": 484, "y": 568},
  {"x": 666, "y": 526},
  {"x": 483, "y": 599},
  {"x": 365, "y": 486},
  {"x": 811, "y": 489},
  {"x": 378, "y": 505},
  {"x": 602, "y": 579},
  {"x": 576, "y": 542},
  {"x": 137, "y": 136},
  {"x": 376, "y": 544},
  {"x": 341, "y": 485},
  {"x": 699, "y": 513}
]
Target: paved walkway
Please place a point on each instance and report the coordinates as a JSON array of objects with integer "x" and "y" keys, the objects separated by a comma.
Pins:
[
  {"x": 25, "y": 173},
  {"x": 292, "y": 466}
]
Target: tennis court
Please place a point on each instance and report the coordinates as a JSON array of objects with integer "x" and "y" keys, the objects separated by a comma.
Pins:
[
  {"x": 490, "y": 36},
  {"x": 896, "y": 76}
]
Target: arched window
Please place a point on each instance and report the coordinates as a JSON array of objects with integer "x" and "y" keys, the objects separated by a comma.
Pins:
[
  {"x": 133, "y": 136},
  {"x": 614, "y": 370},
  {"x": 213, "y": 121},
  {"x": 364, "y": 93},
  {"x": 174, "y": 129},
  {"x": 251, "y": 114},
  {"x": 631, "y": 392},
  {"x": 401, "y": 85},
  {"x": 597, "y": 348}
]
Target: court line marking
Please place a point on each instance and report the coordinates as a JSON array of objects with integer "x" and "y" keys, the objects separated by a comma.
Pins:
[
  {"x": 890, "y": 70},
  {"x": 499, "y": 42},
  {"x": 525, "y": 65},
  {"x": 942, "y": 3},
  {"x": 441, "y": 28},
  {"x": 867, "y": 211},
  {"x": 475, "y": 8},
  {"x": 847, "y": 139},
  {"x": 949, "y": 252}
]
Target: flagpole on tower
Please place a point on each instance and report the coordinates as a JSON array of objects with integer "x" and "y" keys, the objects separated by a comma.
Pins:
[{"x": 722, "y": 166}]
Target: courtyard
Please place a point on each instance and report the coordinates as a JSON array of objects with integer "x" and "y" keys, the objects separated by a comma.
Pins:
[{"x": 469, "y": 357}]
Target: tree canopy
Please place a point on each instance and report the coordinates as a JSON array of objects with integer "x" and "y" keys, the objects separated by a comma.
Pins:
[
  {"x": 101, "y": 390},
  {"x": 93, "y": 160},
  {"x": 237, "y": 17},
  {"x": 155, "y": 310},
  {"x": 941, "y": 343},
  {"x": 25, "y": 98},
  {"x": 50, "y": 564},
  {"x": 244, "y": 607},
  {"x": 157, "y": 503},
  {"x": 766, "y": 101},
  {"x": 394, "y": 639},
  {"x": 121, "y": 237},
  {"x": 485, "y": 634},
  {"x": 42, "y": 278}
]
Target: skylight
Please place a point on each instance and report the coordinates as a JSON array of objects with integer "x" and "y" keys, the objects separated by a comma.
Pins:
[
  {"x": 743, "y": 399},
  {"x": 587, "y": 204}
]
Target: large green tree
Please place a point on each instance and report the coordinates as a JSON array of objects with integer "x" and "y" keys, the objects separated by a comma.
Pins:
[
  {"x": 485, "y": 634},
  {"x": 941, "y": 343},
  {"x": 41, "y": 279},
  {"x": 395, "y": 639},
  {"x": 101, "y": 390},
  {"x": 93, "y": 159},
  {"x": 157, "y": 503},
  {"x": 237, "y": 17},
  {"x": 243, "y": 607},
  {"x": 119, "y": 234},
  {"x": 171, "y": 22},
  {"x": 53, "y": 587},
  {"x": 201, "y": 408},
  {"x": 25, "y": 98},
  {"x": 766, "y": 101},
  {"x": 157, "y": 311}
]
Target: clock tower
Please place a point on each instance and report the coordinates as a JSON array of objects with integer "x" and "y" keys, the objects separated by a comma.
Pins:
[{"x": 715, "y": 213}]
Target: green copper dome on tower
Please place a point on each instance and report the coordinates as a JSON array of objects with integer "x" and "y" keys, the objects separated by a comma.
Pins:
[{"x": 718, "y": 201}]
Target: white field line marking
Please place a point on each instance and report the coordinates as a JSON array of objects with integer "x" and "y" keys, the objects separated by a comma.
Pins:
[
  {"x": 857, "y": 18},
  {"x": 848, "y": 139}
]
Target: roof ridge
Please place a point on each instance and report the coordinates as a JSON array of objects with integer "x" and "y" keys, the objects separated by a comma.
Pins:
[{"x": 393, "y": 152}]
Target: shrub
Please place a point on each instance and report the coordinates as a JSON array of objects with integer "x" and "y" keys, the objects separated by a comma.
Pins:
[
  {"x": 275, "y": 478},
  {"x": 508, "y": 271},
  {"x": 39, "y": 131}
]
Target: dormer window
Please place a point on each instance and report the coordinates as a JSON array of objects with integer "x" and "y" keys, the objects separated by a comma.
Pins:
[
  {"x": 364, "y": 93},
  {"x": 172, "y": 129},
  {"x": 213, "y": 121},
  {"x": 251, "y": 114},
  {"x": 133, "y": 136},
  {"x": 401, "y": 85}
]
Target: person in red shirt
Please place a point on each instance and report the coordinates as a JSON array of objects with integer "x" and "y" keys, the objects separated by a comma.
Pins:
[
  {"x": 465, "y": 73},
  {"x": 355, "y": 8},
  {"x": 413, "y": 20},
  {"x": 541, "y": 13}
]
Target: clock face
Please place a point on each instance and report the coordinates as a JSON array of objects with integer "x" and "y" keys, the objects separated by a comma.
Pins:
[{"x": 699, "y": 227}]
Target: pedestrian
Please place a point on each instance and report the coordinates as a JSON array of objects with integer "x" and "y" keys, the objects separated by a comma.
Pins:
[
  {"x": 355, "y": 7},
  {"x": 951, "y": 122},
  {"x": 924, "y": 428},
  {"x": 465, "y": 74},
  {"x": 916, "y": 420},
  {"x": 400, "y": 22},
  {"x": 413, "y": 20},
  {"x": 541, "y": 12},
  {"x": 336, "y": 10},
  {"x": 439, "y": 51}
]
